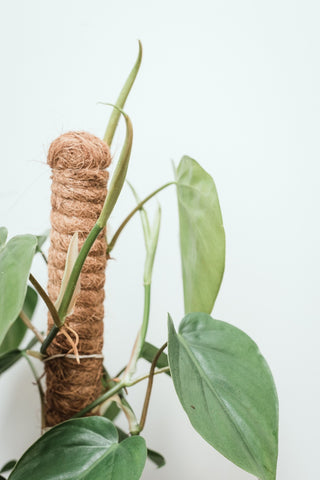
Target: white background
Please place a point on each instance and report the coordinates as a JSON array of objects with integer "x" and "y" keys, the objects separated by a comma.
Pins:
[{"x": 234, "y": 84}]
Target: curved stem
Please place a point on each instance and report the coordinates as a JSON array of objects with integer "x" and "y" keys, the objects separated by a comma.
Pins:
[
  {"x": 149, "y": 387},
  {"x": 40, "y": 389},
  {"x": 27, "y": 322},
  {"x": 140, "y": 379},
  {"x": 131, "y": 214},
  {"x": 43, "y": 294}
]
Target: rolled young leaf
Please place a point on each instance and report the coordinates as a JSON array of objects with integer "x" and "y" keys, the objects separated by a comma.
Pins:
[
  {"x": 202, "y": 238},
  {"x": 15, "y": 263},
  {"x": 17, "y": 331},
  {"x": 82, "y": 449},
  {"x": 226, "y": 388}
]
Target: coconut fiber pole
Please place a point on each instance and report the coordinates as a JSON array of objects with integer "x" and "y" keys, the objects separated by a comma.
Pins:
[
  {"x": 79, "y": 186},
  {"x": 80, "y": 208}
]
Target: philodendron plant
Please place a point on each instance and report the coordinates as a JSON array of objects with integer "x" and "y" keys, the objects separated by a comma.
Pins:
[{"x": 221, "y": 379}]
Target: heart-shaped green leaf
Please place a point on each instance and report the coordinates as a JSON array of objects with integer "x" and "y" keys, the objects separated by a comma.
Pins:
[
  {"x": 83, "y": 449},
  {"x": 227, "y": 390},
  {"x": 202, "y": 239},
  {"x": 15, "y": 263},
  {"x": 17, "y": 331}
]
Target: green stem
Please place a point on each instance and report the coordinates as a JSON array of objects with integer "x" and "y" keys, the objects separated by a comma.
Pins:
[
  {"x": 114, "y": 118},
  {"x": 146, "y": 315},
  {"x": 29, "y": 325},
  {"x": 138, "y": 344},
  {"x": 140, "y": 379},
  {"x": 132, "y": 213},
  {"x": 43, "y": 256},
  {"x": 101, "y": 399},
  {"x": 149, "y": 387},
  {"x": 40, "y": 389}
]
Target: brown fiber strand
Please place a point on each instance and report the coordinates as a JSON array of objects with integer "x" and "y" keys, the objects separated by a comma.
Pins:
[{"x": 79, "y": 179}]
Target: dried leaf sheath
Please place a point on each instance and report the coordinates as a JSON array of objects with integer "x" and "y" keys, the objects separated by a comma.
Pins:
[{"x": 78, "y": 161}]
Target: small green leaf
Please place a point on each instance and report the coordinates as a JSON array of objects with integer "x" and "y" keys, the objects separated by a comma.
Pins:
[
  {"x": 17, "y": 331},
  {"x": 41, "y": 239},
  {"x": 8, "y": 359},
  {"x": 15, "y": 263},
  {"x": 112, "y": 411},
  {"x": 8, "y": 466},
  {"x": 154, "y": 456},
  {"x": 226, "y": 388},
  {"x": 202, "y": 238},
  {"x": 82, "y": 449},
  {"x": 149, "y": 351},
  {"x": 3, "y": 237}
]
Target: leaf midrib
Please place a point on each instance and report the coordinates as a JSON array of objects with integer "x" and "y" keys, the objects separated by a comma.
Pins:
[{"x": 220, "y": 400}]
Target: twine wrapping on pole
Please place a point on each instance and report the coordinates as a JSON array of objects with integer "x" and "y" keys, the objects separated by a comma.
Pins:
[{"x": 79, "y": 179}]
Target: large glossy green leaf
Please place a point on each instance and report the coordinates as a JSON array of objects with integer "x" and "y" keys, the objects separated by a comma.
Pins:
[
  {"x": 83, "y": 449},
  {"x": 202, "y": 238},
  {"x": 227, "y": 390},
  {"x": 17, "y": 331},
  {"x": 15, "y": 263}
]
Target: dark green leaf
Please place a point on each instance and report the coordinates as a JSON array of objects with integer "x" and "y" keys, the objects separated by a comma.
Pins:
[
  {"x": 3, "y": 237},
  {"x": 154, "y": 456},
  {"x": 16, "y": 332},
  {"x": 82, "y": 449},
  {"x": 8, "y": 359},
  {"x": 227, "y": 390},
  {"x": 112, "y": 411},
  {"x": 149, "y": 351},
  {"x": 8, "y": 466},
  {"x": 15, "y": 263},
  {"x": 202, "y": 239}
]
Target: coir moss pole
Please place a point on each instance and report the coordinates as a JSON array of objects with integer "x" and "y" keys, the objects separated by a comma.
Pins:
[{"x": 79, "y": 187}]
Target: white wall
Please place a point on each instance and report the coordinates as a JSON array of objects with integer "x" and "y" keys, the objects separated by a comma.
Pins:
[{"x": 235, "y": 84}]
